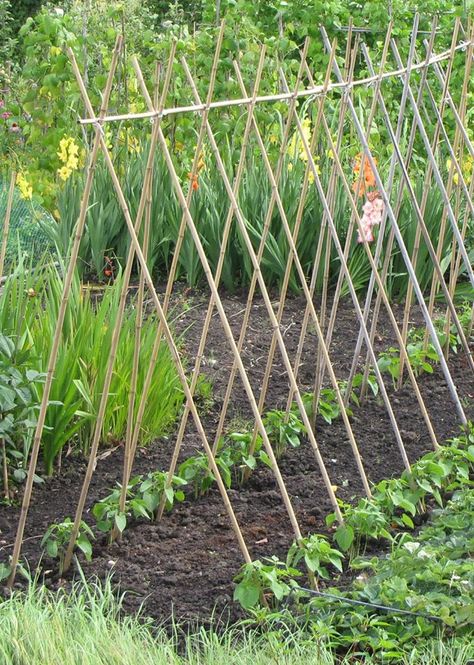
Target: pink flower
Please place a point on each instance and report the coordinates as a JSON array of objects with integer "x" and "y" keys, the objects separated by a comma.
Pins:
[
  {"x": 2, "y": 103},
  {"x": 14, "y": 127},
  {"x": 5, "y": 115},
  {"x": 378, "y": 205}
]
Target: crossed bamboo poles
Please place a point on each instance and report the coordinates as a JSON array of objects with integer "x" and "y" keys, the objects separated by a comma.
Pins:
[{"x": 156, "y": 112}]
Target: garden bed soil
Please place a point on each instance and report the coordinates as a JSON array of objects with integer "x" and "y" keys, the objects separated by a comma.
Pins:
[{"x": 186, "y": 563}]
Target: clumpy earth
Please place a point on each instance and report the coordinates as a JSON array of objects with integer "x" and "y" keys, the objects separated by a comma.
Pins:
[{"x": 186, "y": 563}]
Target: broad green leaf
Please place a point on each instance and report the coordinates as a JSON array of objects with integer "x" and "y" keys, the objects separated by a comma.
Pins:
[
  {"x": 247, "y": 594},
  {"x": 344, "y": 537},
  {"x": 120, "y": 521}
]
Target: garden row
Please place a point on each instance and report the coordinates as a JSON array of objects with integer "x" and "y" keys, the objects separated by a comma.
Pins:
[
  {"x": 238, "y": 454},
  {"x": 106, "y": 239},
  {"x": 28, "y": 312}
]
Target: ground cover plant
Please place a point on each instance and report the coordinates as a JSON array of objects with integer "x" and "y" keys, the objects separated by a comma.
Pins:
[{"x": 427, "y": 575}]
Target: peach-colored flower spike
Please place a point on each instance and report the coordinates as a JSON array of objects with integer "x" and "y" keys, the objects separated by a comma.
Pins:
[{"x": 372, "y": 209}]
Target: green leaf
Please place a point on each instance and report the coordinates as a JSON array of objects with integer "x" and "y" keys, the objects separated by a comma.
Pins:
[
  {"x": 344, "y": 537},
  {"x": 407, "y": 521},
  {"x": 5, "y": 571},
  {"x": 247, "y": 594},
  {"x": 84, "y": 545},
  {"x": 52, "y": 548},
  {"x": 120, "y": 521}
]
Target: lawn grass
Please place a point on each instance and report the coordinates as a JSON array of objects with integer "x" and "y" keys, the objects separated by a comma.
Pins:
[{"x": 85, "y": 627}]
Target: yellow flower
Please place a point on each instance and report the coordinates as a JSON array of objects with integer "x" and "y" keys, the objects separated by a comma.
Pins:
[
  {"x": 273, "y": 138},
  {"x": 68, "y": 154},
  {"x": 311, "y": 174},
  {"x": 54, "y": 51},
  {"x": 330, "y": 154},
  {"x": 290, "y": 167},
  {"x": 26, "y": 190},
  {"x": 296, "y": 145},
  {"x": 64, "y": 172},
  {"x": 132, "y": 142}
]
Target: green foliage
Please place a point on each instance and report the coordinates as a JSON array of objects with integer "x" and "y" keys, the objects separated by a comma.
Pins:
[
  {"x": 430, "y": 575},
  {"x": 28, "y": 310},
  {"x": 154, "y": 485},
  {"x": 283, "y": 430},
  {"x": 196, "y": 471},
  {"x": 56, "y": 540},
  {"x": 107, "y": 511},
  {"x": 19, "y": 385},
  {"x": 271, "y": 580},
  {"x": 316, "y": 552},
  {"x": 239, "y": 449},
  {"x": 7, "y": 40}
]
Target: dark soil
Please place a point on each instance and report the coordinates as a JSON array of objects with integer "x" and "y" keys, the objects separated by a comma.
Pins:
[{"x": 186, "y": 562}]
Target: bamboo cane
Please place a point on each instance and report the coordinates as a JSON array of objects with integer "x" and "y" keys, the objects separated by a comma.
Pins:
[
  {"x": 113, "y": 349},
  {"x": 384, "y": 296},
  {"x": 273, "y": 320},
  {"x": 217, "y": 276},
  {"x": 271, "y": 313},
  {"x": 61, "y": 313},
  {"x": 452, "y": 219},
  {"x": 355, "y": 300},
  {"x": 440, "y": 183},
  {"x": 320, "y": 368},
  {"x": 264, "y": 99},
  {"x": 327, "y": 260},
  {"x": 6, "y": 222},
  {"x": 261, "y": 248},
  {"x": 127, "y": 462},
  {"x": 456, "y": 258},
  {"x": 156, "y": 301},
  {"x": 3, "y": 251},
  {"x": 349, "y": 70},
  {"x": 296, "y": 230},
  {"x": 177, "y": 250}
]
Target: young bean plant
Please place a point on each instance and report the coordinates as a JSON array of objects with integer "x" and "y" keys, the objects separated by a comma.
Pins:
[
  {"x": 152, "y": 488},
  {"x": 316, "y": 552},
  {"x": 108, "y": 514},
  {"x": 269, "y": 581},
  {"x": 56, "y": 539}
]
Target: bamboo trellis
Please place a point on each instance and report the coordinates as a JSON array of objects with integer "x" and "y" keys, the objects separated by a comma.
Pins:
[{"x": 329, "y": 128}]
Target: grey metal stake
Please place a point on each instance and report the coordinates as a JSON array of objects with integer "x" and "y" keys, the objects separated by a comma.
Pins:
[
  {"x": 437, "y": 174},
  {"x": 399, "y": 237},
  {"x": 381, "y": 233},
  {"x": 441, "y": 78}
]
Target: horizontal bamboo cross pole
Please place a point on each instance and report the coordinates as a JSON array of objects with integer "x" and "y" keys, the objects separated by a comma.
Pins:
[{"x": 283, "y": 96}]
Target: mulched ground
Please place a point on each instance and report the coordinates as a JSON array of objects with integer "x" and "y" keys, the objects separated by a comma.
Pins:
[{"x": 187, "y": 562}]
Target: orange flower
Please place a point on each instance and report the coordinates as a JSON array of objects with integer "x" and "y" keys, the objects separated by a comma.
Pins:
[
  {"x": 369, "y": 177},
  {"x": 361, "y": 187},
  {"x": 194, "y": 180}
]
